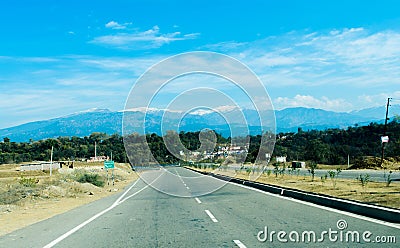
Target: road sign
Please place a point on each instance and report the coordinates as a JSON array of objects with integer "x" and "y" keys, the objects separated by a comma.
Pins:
[
  {"x": 385, "y": 139},
  {"x": 109, "y": 164}
]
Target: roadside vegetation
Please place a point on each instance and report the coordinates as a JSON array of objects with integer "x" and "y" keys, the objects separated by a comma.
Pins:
[
  {"x": 361, "y": 188},
  {"x": 27, "y": 197},
  {"x": 19, "y": 188}
]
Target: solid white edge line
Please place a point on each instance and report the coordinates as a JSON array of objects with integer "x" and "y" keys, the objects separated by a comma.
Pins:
[
  {"x": 137, "y": 192},
  {"x": 116, "y": 203},
  {"x": 147, "y": 185},
  {"x": 198, "y": 200},
  {"x": 126, "y": 192},
  {"x": 73, "y": 230},
  {"x": 381, "y": 222},
  {"x": 212, "y": 217},
  {"x": 239, "y": 244},
  {"x": 357, "y": 216}
]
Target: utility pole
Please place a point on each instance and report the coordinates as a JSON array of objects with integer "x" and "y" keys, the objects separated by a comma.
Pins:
[
  {"x": 385, "y": 129},
  {"x": 51, "y": 160}
]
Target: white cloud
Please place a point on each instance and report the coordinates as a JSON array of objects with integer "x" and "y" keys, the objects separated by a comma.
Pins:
[
  {"x": 352, "y": 56},
  {"x": 148, "y": 39},
  {"x": 358, "y": 46},
  {"x": 30, "y": 104},
  {"x": 347, "y": 66},
  {"x": 39, "y": 59},
  {"x": 379, "y": 99},
  {"x": 134, "y": 66},
  {"x": 226, "y": 108},
  {"x": 225, "y": 46},
  {"x": 29, "y": 59},
  {"x": 116, "y": 25}
]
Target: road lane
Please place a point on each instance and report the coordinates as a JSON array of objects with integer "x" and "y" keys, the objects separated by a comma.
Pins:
[
  {"x": 151, "y": 219},
  {"x": 41, "y": 233},
  {"x": 154, "y": 219},
  {"x": 183, "y": 183},
  {"x": 244, "y": 214}
]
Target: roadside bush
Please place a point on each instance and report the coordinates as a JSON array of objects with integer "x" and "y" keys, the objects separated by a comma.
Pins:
[
  {"x": 334, "y": 175},
  {"x": 363, "y": 179},
  {"x": 388, "y": 179},
  {"x": 28, "y": 182},
  {"x": 282, "y": 171},
  {"x": 367, "y": 162},
  {"x": 312, "y": 166},
  {"x": 248, "y": 170},
  {"x": 16, "y": 193},
  {"x": 94, "y": 179},
  {"x": 323, "y": 178},
  {"x": 276, "y": 168}
]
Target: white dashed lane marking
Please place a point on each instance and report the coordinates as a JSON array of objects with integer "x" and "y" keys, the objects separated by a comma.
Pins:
[
  {"x": 211, "y": 216},
  {"x": 239, "y": 244}
]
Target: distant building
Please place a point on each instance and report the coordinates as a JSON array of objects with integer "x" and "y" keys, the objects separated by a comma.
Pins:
[
  {"x": 195, "y": 154},
  {"x": 40, "y": 166},
  {"x": 97, "y": 159},
  {"x": 281, "y": 159}
]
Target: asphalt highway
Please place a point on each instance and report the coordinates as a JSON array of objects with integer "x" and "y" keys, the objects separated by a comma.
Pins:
[{"x": 188, "y": 216}]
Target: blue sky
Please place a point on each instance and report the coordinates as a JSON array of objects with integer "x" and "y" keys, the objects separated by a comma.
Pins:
[{"x": 60, "y": 57}]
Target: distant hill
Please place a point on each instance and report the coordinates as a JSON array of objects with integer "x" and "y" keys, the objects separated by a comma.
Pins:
[
  {"x": 290, "y": 119},
  {"x": 378, "y": 112},
  {"x": 78, "y": 124},
  {"x": 103, "y": 120}
]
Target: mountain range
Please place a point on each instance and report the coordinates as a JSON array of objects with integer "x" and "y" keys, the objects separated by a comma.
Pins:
[{"x": 103, "y": 120}]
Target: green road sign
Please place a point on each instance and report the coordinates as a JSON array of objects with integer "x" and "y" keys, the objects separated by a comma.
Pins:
[{"x": 109, "y": 164}]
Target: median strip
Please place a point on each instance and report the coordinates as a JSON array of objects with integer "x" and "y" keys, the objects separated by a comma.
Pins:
[{"x": 211, "y": 216}]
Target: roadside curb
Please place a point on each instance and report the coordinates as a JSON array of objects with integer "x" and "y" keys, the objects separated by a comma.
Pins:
[{"x": 369, "y": 210}]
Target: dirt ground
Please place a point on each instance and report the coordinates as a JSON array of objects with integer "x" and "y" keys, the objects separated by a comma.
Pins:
[{"x": 55, "y": 199}]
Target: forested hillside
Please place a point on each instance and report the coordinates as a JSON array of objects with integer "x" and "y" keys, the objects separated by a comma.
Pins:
[{"x": 331, "y": 146}]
